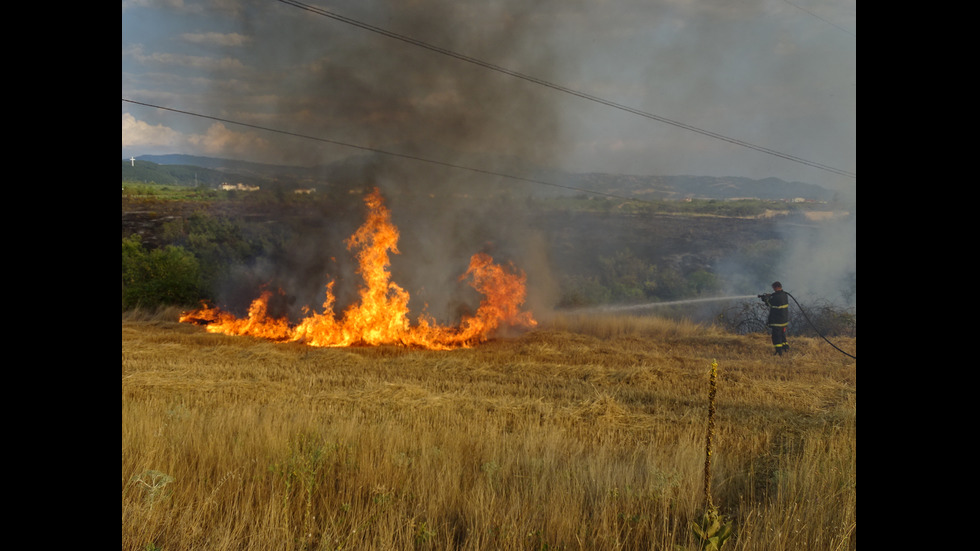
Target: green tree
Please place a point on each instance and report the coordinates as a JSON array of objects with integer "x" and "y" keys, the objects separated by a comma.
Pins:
[
  {"x": 158, "y": 277},
  {"x": 626, "y": 275},
  {"x": 670, "y": 284},
  {"x": 578, "y": 290},
  {"x": 702, "y": 282},
  {"x": 221, "y": 243}
]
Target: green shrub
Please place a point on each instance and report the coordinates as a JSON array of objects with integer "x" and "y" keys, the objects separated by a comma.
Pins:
[
  {"x": 578, "y": 291},
  {"x": 222, "y": 243},
  {"x": 704, "y": 283},
  {"x": 158, "y": 277}
]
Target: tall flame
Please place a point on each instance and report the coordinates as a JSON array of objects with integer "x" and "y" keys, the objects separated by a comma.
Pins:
[{"x": 381, "y": 316}]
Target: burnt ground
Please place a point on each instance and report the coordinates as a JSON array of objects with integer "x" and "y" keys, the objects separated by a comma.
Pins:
[
  {"x": 148, "y": 221},
  {"x": 148, "y": 217},
  {"x": 573, "y": 240},
  {"x": 684, "y": 242}
]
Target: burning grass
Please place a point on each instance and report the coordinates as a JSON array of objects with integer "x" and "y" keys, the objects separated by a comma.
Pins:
[
  {"x": 580, "y": 434},
  {"x": 381, "y": 317}
]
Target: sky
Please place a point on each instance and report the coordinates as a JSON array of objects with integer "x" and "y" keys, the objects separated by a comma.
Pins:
[{"x": 758, "y": 89}]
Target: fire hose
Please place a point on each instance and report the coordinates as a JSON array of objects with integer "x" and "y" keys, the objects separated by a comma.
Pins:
[{"x": 817, "y": 330}]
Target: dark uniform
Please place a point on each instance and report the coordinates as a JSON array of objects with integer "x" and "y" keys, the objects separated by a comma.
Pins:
[{"x": 778, "y": 303}]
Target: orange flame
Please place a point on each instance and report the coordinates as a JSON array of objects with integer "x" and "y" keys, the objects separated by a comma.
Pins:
[{"x": 381, "y": 316}]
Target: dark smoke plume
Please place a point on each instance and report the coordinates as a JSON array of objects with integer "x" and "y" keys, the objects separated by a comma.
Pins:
[
  {"x": 316, "y": 76},
  {"x": 346, "y": 84}
]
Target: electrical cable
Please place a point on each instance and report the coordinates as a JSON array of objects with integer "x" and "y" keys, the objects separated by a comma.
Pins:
[
  {"x": 817, "y": 330},
  {"x": 831, "y": 23},
  {"x": 542, "y": 82}
]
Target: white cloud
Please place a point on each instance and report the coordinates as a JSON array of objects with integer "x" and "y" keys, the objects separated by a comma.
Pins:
[
  {"x": 136, "y": 133},
  {"x": 220, "y": 39},
  {"x": 217, "y": 140},
  {"x": 137, "y": 53}
]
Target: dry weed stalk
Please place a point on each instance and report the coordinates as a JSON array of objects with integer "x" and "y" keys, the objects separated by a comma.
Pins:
[{"x": 712, "y": 530}]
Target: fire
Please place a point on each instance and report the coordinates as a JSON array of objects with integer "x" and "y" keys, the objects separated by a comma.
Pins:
[{"x": 381, "y": 315}]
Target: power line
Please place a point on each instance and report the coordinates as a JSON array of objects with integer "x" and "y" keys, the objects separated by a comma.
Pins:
[
  {"x": 831, "y": 23},
  {"x": 560, "y": 88},
  {"x": 384, "y": 152}
]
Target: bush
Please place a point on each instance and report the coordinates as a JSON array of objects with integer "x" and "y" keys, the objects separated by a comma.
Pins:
[{"x": 161, "y": 277}]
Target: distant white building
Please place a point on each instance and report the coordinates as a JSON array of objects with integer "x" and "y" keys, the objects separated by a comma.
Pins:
[{"x": 238, "y": 187}]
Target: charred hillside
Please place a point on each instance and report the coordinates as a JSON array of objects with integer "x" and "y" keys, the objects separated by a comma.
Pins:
[
  {"x": 291, "y": 230},
  {"x": 573, "y": 256},
  {"x": 578, "y": 240}
]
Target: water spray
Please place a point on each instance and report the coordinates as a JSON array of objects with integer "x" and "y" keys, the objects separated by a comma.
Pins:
[
  {"x": 658, "y": 304},
  {"x": 628, "y": 307}
]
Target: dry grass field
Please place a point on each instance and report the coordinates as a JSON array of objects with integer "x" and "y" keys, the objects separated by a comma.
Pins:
[{"x": 586, "y": 433}]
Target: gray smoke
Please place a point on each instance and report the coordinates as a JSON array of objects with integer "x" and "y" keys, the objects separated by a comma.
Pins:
[
  {"x": 346, "y": 84},
  {"x": 819, "y": 263},
  {"x": 815, "y": 260},
  {"x": 332, "y": 80}
]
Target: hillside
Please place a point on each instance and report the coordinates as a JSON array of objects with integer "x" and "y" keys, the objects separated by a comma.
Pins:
[
  {"x": 578, "y": 250},
  {"x": 180, "y": 174},
  {"x": 578, "y": 256},
  {"x": 195, "y": 170}
]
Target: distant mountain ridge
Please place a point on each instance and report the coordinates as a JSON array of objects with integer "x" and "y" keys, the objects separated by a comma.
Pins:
[
  {"x": 700, "y": 187},
  {"x": 224, "y": 165},
  {"x": 197, "y": 170}
]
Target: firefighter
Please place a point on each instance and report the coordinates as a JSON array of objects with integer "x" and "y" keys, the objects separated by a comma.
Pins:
[{"x": 778, "y": 303}]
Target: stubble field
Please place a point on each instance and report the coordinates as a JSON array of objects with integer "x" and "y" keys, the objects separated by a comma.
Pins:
[{"x": 588, "y": 432}]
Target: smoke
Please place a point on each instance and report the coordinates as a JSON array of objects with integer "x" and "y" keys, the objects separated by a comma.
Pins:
[
  {"x": 820, "y": 262},
  {"x": 315, "y": 76},
  {"x": 816, "y": 261},
  {"x": 349, "y": 84}
]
